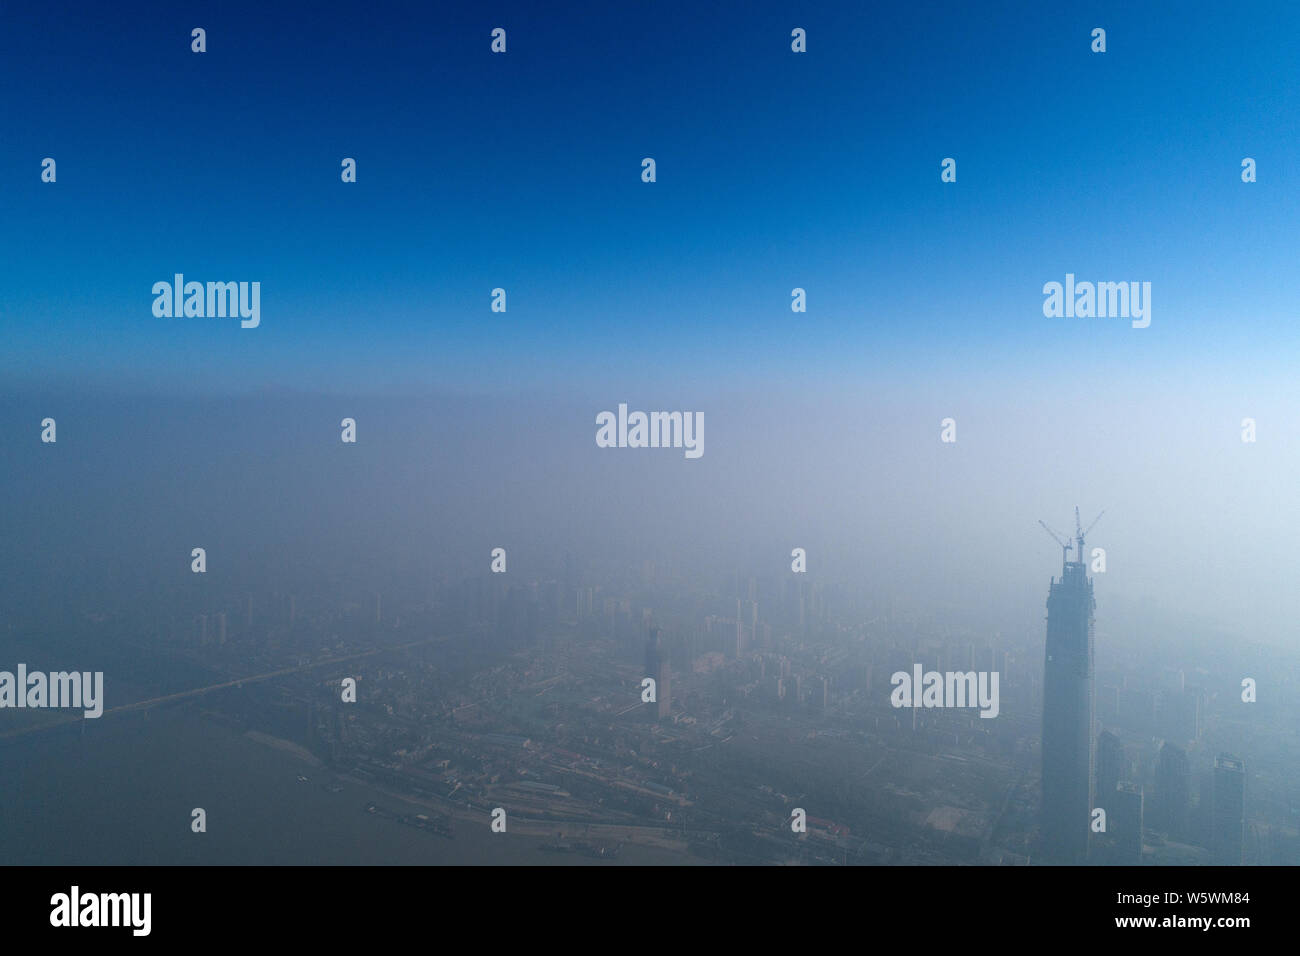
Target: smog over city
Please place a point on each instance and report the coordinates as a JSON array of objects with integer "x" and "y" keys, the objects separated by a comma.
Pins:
[{"x": 358, "y": 509}]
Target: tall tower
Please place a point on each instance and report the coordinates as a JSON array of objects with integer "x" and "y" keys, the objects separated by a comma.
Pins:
[
  {"x": 1110, "y": 767},
  {"x": 1173, "y": 791},
  {"x": 1068, "y": 702},
  {"x": 1228, "y": 837},
  {"x": 740, "y": 632},
  {"x": 1126, "y": 821},
  {"x": 656, "y": 665}
]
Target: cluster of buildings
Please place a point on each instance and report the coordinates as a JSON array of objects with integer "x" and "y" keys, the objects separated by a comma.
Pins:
[{"x": 770, "y": 695}]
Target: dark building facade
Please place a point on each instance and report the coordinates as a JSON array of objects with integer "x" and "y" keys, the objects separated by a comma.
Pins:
[
  {"x": 1173, "y": 792},
  {"x": 1228, "y": 838},
  {"x": 656, "y": 666},
  {"x": 1068, "y": 705},
  {"x": 1126, "y": 822},
  {"x": 1111, "y": 768}
]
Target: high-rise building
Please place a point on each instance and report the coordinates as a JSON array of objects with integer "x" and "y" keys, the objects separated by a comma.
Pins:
[
  {"x": 656, "y": 666},
  {"x": 1110, "y": 765},
  {"x": 1229, "y": 822},
  {"x": 1193, "y": 706},
  {"x": 1126, "y": 823},
  {"x": 1173, "y": 797},
  {"x": 569, "y": 584},
  {"x": 1068, "y": 706},
  {"x": 819, "y": 693},
  {"x": 740, "y": 632}
]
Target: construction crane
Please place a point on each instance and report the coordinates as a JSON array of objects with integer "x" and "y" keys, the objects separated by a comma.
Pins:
[
  {"x": 1080, "y": 533},
  {"x": 1063, "y": 541}
]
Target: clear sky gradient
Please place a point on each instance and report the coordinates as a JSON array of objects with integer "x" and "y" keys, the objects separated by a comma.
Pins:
[{"x": 775, "y": 170}]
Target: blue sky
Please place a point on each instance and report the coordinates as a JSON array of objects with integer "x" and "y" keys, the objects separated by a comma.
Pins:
[{"x": 775, "y": 170}]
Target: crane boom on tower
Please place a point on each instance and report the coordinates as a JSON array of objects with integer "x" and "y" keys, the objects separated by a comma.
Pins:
[
  {"x": 1080, "y": 533},
  {"x": 1063, "y": 541}
]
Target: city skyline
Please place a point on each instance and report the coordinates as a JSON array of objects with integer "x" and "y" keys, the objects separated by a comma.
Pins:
[{"x": 362, "y": 508}]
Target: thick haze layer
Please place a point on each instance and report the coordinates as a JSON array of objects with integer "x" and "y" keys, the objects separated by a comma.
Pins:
[
  {"x": 1195, "y": 520},
  {"x": 775, "y": 171}
]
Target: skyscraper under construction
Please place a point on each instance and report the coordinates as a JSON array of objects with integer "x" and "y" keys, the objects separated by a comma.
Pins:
[
  {"x": 656, "y": 666},
  {"x": 1067, "y": 745}
]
